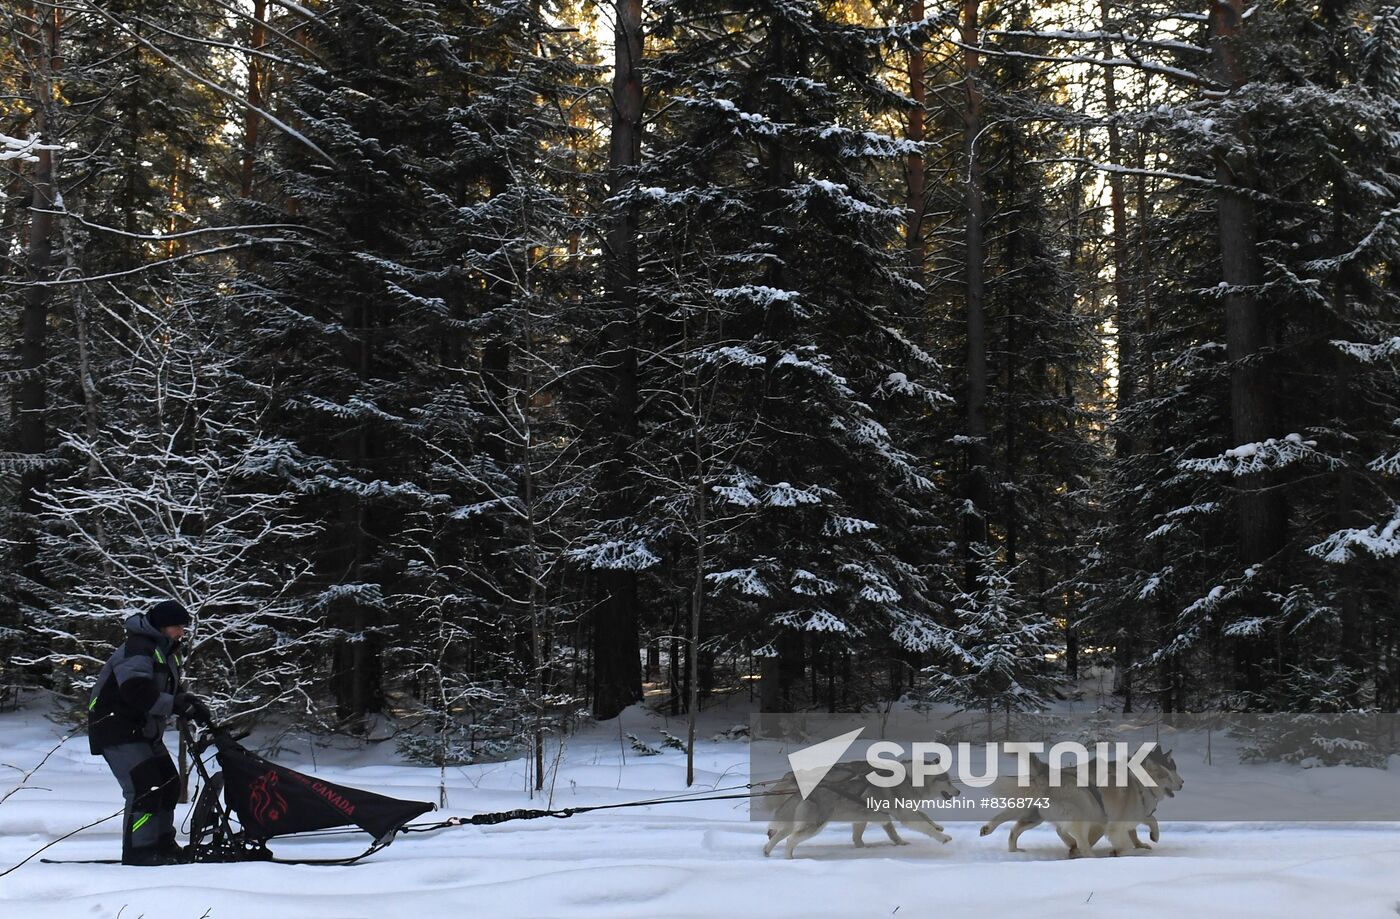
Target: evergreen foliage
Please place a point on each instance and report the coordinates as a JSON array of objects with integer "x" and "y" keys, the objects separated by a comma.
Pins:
[{"x": 447, "y": 389}]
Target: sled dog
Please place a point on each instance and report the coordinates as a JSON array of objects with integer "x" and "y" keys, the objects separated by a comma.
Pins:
[
  {"x": 845, "y": 789},
  {"x": 1123, "y": 808}
]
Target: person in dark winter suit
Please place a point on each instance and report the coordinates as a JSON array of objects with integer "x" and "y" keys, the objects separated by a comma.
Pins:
[{"x": 138, "y": 688}]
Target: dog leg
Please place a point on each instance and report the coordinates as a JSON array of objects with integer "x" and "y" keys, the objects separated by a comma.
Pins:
[
  {"x": 892, "y": 833},
  {"x": 1118, "y": 836},
  {"x": 1032, "y": 818},
  {"x": 920, "y": 821},
  {"x": 804, "y": 832},
  {"x": 1152, "y": 826},
  {"x": 997, "y": 821},
  {"x": 1137, "y": 843},
  {"x": 1080, "y": 832},
  {"x": 776, "y": 834},
  {"x": 858, "y": 835}
]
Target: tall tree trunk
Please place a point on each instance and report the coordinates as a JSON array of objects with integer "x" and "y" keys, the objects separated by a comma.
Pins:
[
  {"x": 256, "y": 84},
  {"x": 791, "y": 664},
  {"x": 617, "y": 677},
  {"x": 770, "y": 696},
  {"x": 978, "y": 489},
  {"x": 1163, "y": 613},
  {"x": 1122, "y": 290},
  {"x": 914, "y": 203},
  {"x": 1011, "y": 523},
  {"x": 697, "y": 600},
  {"x": 540, "y": 652},
  {"x": 1068, "y": 598},
  {"x": 674, "y": 666},
  {"x": 1351, "y": 641},
  {"x": 1248, "y": 335},
  {"x": 778, "y": 324},
  {"x": 32, "y": 398},
  {"x": 1125, "y": 321},
  {"x": 358, "y": 683}
]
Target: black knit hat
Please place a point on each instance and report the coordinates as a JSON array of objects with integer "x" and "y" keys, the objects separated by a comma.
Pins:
[{"x": 168, "y": 612}]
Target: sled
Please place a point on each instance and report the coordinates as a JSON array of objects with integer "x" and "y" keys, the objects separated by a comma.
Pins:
[{"x": 251, "y": 800}]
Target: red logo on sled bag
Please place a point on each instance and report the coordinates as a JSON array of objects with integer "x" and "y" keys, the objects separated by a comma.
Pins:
[{"x": 268, "y": 803}]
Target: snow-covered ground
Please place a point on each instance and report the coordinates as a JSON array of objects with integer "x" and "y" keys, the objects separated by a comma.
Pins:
[{"x": 697, "y": 859}]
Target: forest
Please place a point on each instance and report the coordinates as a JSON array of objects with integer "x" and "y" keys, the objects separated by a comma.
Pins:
[{"x": 470, "y": 366}]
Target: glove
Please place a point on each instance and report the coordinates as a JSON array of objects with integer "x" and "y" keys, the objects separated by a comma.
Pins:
[{"x": 188, "y": 705}]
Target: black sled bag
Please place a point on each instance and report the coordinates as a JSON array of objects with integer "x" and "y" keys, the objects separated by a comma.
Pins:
[{"x": 271, "y": 800}]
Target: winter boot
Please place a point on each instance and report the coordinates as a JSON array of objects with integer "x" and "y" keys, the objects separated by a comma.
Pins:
[{"x": 167, "y": 846}]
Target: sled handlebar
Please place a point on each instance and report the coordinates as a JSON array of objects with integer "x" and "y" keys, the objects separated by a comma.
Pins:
[{"x": 209, "y": 734}]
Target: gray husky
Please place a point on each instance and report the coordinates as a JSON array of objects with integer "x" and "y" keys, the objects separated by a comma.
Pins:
[
  {"x": 844, "y": 792},
  {"x": 1121, "y": 808}
]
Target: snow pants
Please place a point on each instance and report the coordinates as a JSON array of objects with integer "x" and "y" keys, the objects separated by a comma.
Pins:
[{"x": 151, "y": 785}]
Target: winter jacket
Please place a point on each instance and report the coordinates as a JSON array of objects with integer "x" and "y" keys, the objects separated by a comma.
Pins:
[{"x": 136, "y": 689}]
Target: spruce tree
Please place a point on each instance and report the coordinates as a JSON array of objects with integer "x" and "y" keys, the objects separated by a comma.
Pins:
[
  {"x": 398, "y": 331},
  {"x": 773, "y": 155}
]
